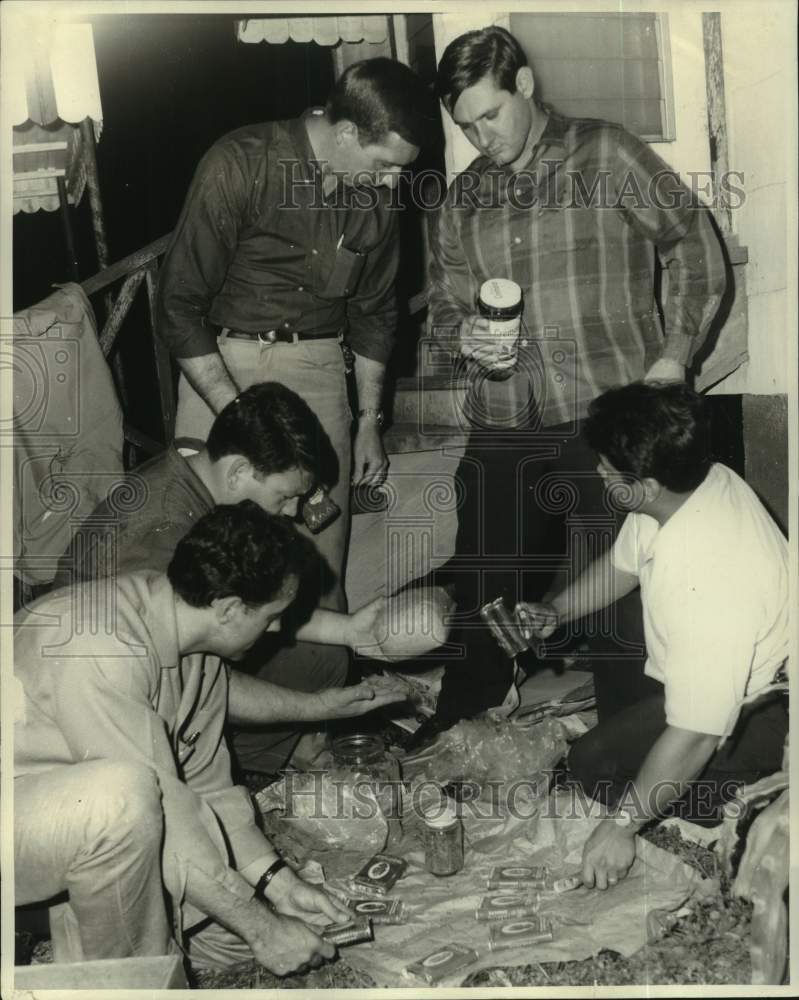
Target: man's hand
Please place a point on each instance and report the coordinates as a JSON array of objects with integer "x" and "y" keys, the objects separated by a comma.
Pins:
[
  {"x": 537, "y": 620},
  {"x": 358, "y": 699},
  {"x": 284, "y": 944},
  {"x": 369, "y": 459},
  {"x": 293, "y": 897},
  {"x": 608, "y": 854},
  {"x": 477, "y": 342},
  {"x": 665, "y": 370}
]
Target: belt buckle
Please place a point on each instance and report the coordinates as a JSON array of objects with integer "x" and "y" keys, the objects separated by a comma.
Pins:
[{"x": 268, "y": 338}]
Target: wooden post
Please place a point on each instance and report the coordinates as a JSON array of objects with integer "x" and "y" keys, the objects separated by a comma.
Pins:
[
  {"x": 716, "y": 117},
  {"x": 66, "y": 222},
  {"x": 163, "y": 360},
  {"x": 93, "y": 184}
]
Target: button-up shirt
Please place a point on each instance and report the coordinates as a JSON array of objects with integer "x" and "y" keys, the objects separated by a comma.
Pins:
[
  {"x": 256, "y": 244},
  {"x": 577, "y": 229},
  {"x": 140, "y": 523},
  {"x": 99, "y": 677}
]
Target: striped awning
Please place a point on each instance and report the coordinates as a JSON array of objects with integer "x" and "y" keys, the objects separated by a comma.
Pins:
[
  {"x": 326, "y": 30},
  {"x": 52, "y": 86}
]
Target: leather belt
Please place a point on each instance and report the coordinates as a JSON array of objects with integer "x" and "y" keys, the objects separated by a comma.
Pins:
[{"x": 284, "y": 336}]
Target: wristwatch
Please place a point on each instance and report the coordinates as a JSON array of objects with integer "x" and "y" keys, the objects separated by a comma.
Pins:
[
  {"x": 376, "y": 415},
  {"x": 266, "y": 878}
]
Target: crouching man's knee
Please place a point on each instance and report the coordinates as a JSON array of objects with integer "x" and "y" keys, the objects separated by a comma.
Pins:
[{"x": 126, "y": 806}]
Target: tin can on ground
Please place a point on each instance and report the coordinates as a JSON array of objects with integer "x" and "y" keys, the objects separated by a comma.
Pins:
[
  {"x": 443, "y": 962},
  {"x": 518, "y": 877},
  {"x": 532, "y": 930},
  {"x": 379, "y": 874},
  {"x": 379, "y": 911},
  {"x": 507, "y": 906},
  {"x": 354, "y": 932}
]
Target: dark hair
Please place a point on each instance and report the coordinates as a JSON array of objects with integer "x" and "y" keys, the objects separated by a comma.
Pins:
[
  {"x": 476, "y": 54},
  {"x": 381, "y": 96},
  {"x": 653, "y": 429},
  {"x": 272, "y": 427},
  {"x": 236, "y": 550}
]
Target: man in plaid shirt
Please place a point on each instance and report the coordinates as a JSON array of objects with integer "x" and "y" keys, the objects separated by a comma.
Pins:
[{"x": 580, "y": 214}]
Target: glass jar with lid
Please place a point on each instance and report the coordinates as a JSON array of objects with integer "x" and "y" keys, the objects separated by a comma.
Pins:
[{"x": 443, "y": 840}]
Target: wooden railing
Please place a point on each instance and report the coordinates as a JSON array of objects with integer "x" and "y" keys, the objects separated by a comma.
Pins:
[{"x": 137, "y": 269}]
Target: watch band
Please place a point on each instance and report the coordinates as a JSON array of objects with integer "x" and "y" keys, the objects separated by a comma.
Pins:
[
  {"x": 371, "y": 412},
  {"x": 266, "y": 878}
]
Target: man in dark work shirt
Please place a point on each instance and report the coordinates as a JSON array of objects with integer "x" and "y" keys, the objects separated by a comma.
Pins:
[{"x": 286, "y": 246}]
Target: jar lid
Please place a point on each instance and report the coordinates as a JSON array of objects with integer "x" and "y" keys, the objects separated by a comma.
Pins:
[
  {"x": 500, "y": 293},
  {"x": 441, "y": 816}
]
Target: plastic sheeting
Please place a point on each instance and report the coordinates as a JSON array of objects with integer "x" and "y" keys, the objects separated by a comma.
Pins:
[{"x": 441, "y": 910}]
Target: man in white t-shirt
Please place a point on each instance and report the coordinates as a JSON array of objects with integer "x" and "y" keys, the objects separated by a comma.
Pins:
[{"x": 713, "y": 571}]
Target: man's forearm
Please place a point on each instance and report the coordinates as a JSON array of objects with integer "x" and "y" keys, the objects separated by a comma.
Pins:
[
  {"x": 677, "y": 757},
  {"x": 229, "y": 901},
  {"x": 331, "y": 628},
  {"x": 210, "y": 379},
  {"x": 600, "y": 585},
  {"x": 255, "y": 701},
  {"x": 369, "y": 378}
]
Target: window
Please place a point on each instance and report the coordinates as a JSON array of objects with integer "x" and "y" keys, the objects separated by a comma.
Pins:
[{"x": 603, "y": 65}]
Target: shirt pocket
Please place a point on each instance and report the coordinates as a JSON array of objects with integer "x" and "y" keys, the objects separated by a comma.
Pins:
[{"x": 342, "y": 274}]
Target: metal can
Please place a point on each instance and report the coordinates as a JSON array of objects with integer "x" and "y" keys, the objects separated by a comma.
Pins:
[
  {"x": 379, "y": 874},
  {"x": 533, "y": 930},
  {"x": 507, "y": 906},
  {"x": 354, "y": 932},
  {"x": 445, "y": 961},
  {"x": 443, "y": 840}
]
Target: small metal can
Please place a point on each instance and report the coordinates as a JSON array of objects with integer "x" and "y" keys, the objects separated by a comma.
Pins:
[
  {"x": 379, "y": 911},
  {"x": 379, "y": 875},
  {"x": 507, "y": 906},
  {"x": 532, "y": 930},
  {"x": 443, "y": 840},
  {"x": 443, "y": 962},
  {"x": 504, "y": 627},
  {"x": 518, "y": 877},
  {"x": 354, "y": 932}
]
